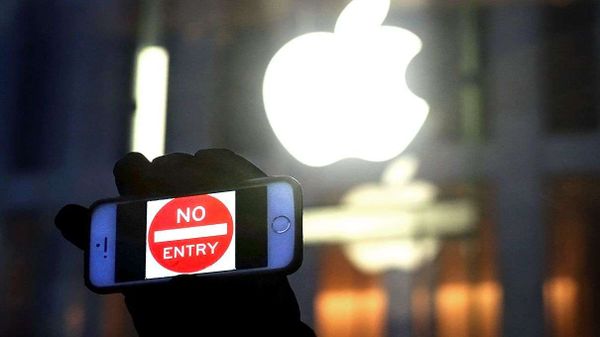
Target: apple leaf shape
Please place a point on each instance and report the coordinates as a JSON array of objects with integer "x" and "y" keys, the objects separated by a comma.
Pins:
[{"x": 362, "y": 15}]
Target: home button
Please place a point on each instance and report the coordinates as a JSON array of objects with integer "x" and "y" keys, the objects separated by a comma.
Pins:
[{"x": 281, "y": 224}]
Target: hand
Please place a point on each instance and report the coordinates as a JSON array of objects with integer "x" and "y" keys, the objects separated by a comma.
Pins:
[{"x": 249, "y": 305}]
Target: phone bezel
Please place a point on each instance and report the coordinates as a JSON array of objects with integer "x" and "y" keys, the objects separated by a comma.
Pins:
[{"x": 294, "y": 234}]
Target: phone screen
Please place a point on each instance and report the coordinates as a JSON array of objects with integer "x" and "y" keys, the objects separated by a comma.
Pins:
[{"x": 192, "y": 234}]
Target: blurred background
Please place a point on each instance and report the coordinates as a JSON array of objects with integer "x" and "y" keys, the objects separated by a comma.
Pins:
[{"x": 502, "y": 241}]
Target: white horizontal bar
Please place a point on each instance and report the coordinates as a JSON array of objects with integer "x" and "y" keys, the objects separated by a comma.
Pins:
[{"x": 190, "y": 232}]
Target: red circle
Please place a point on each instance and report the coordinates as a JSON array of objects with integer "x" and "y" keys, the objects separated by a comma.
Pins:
[{"x": 188, "y": 255}]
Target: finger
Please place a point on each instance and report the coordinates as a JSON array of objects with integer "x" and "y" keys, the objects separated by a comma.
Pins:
[
  {"x": 176, "y": 173},
  {"x": 73, "y": 221},
  {"x": 130, "y": 174},
  {"x": 226, "y": 163},
  {"x": 183, "y": 173}
]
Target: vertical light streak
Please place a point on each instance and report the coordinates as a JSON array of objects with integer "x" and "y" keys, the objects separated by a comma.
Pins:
[{"x": 150, "y": 92}]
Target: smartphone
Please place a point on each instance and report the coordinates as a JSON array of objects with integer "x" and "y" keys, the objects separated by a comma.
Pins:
[{"x": 250, "y": 228}]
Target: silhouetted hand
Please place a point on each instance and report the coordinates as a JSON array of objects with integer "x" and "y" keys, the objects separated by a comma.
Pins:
[{"x": 250, "y": 305}]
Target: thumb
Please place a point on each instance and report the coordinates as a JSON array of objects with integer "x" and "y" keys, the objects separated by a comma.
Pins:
[{"x": 73, "y": 221}]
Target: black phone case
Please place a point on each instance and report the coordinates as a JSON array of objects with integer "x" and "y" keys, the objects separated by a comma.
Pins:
[{"x": 289, "y": 269}]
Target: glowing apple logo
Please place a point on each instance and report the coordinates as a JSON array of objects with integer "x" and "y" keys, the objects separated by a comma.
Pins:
[{"x": 330, "y": 96}]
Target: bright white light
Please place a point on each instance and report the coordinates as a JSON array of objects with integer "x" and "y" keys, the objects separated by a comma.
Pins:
[
  {"x": 355, "y": 224},
  {"x": 396, "y": 190},
  {"x": 151, "y": 75},
  {"x": 330, "y": 96},
  {"x": 374, "y": 257},
  {"x": 401, "y": 171},
  {"x": 415, "y": 195},
  {"x": 393, "y": 224}
]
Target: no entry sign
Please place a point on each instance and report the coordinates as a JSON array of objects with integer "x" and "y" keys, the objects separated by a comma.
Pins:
[{"x": 190, "y": 234}]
